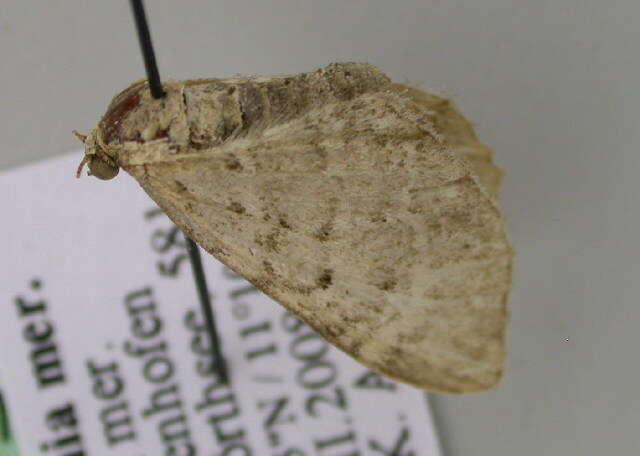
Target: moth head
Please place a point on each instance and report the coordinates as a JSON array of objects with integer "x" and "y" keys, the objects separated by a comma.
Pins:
[{"x": 95, "y": 157}]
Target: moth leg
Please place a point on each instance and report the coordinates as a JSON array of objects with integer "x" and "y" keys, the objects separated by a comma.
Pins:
[{"x": 84, "y": 161}]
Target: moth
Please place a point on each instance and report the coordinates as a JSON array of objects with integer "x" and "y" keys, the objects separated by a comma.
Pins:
[{"x": 365, "y": 207}]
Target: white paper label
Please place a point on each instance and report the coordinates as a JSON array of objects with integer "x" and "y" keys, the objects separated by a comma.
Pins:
[{"x": 103, "y": 350}]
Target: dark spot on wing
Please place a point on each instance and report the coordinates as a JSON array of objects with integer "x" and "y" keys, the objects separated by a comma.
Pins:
[
  {"x": 268, "y": 267},
  {"x": 232, "y": 163},
  {"x": 378, "y": 218},
  {"x": 161, "y": 133},
  {"x": 350, "y": 321},
  {"x": 388, "y": 285},
  {"x": 332, "y": 331},
  {"x": 180, "y": 187},
  {"x": 271, "y": 242},
  {"x": 325, "y": 279},
  {"x": 236, "y": 207},
  {"x": 284, "y": 223},
  {"x": 324, "y": 232}
]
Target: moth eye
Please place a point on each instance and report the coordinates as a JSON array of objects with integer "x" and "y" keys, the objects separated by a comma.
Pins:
[{"x": 101, "y": 169}]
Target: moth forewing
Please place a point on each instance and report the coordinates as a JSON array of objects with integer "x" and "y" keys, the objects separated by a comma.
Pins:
[{"x": 364, "y": 207}]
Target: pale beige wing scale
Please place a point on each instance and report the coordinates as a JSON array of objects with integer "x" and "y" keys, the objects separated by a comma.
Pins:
[{"x": 362, "y": 221}]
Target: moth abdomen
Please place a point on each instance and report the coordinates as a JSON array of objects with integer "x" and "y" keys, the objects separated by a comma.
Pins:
[
  {"x": 208, "y": 112},
  {"x": 219, "y": 110}
]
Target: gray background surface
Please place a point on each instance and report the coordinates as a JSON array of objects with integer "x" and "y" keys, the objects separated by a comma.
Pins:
[{"x": 554, "y": 88}]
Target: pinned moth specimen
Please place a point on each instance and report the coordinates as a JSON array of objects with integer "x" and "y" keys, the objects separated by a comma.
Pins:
[{"x": 367, "y": 208}]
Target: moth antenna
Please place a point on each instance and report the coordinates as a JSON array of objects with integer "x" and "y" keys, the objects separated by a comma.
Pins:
[
  {"x": 82, "y": 138},
  {"x": 84, "y": 161}
]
